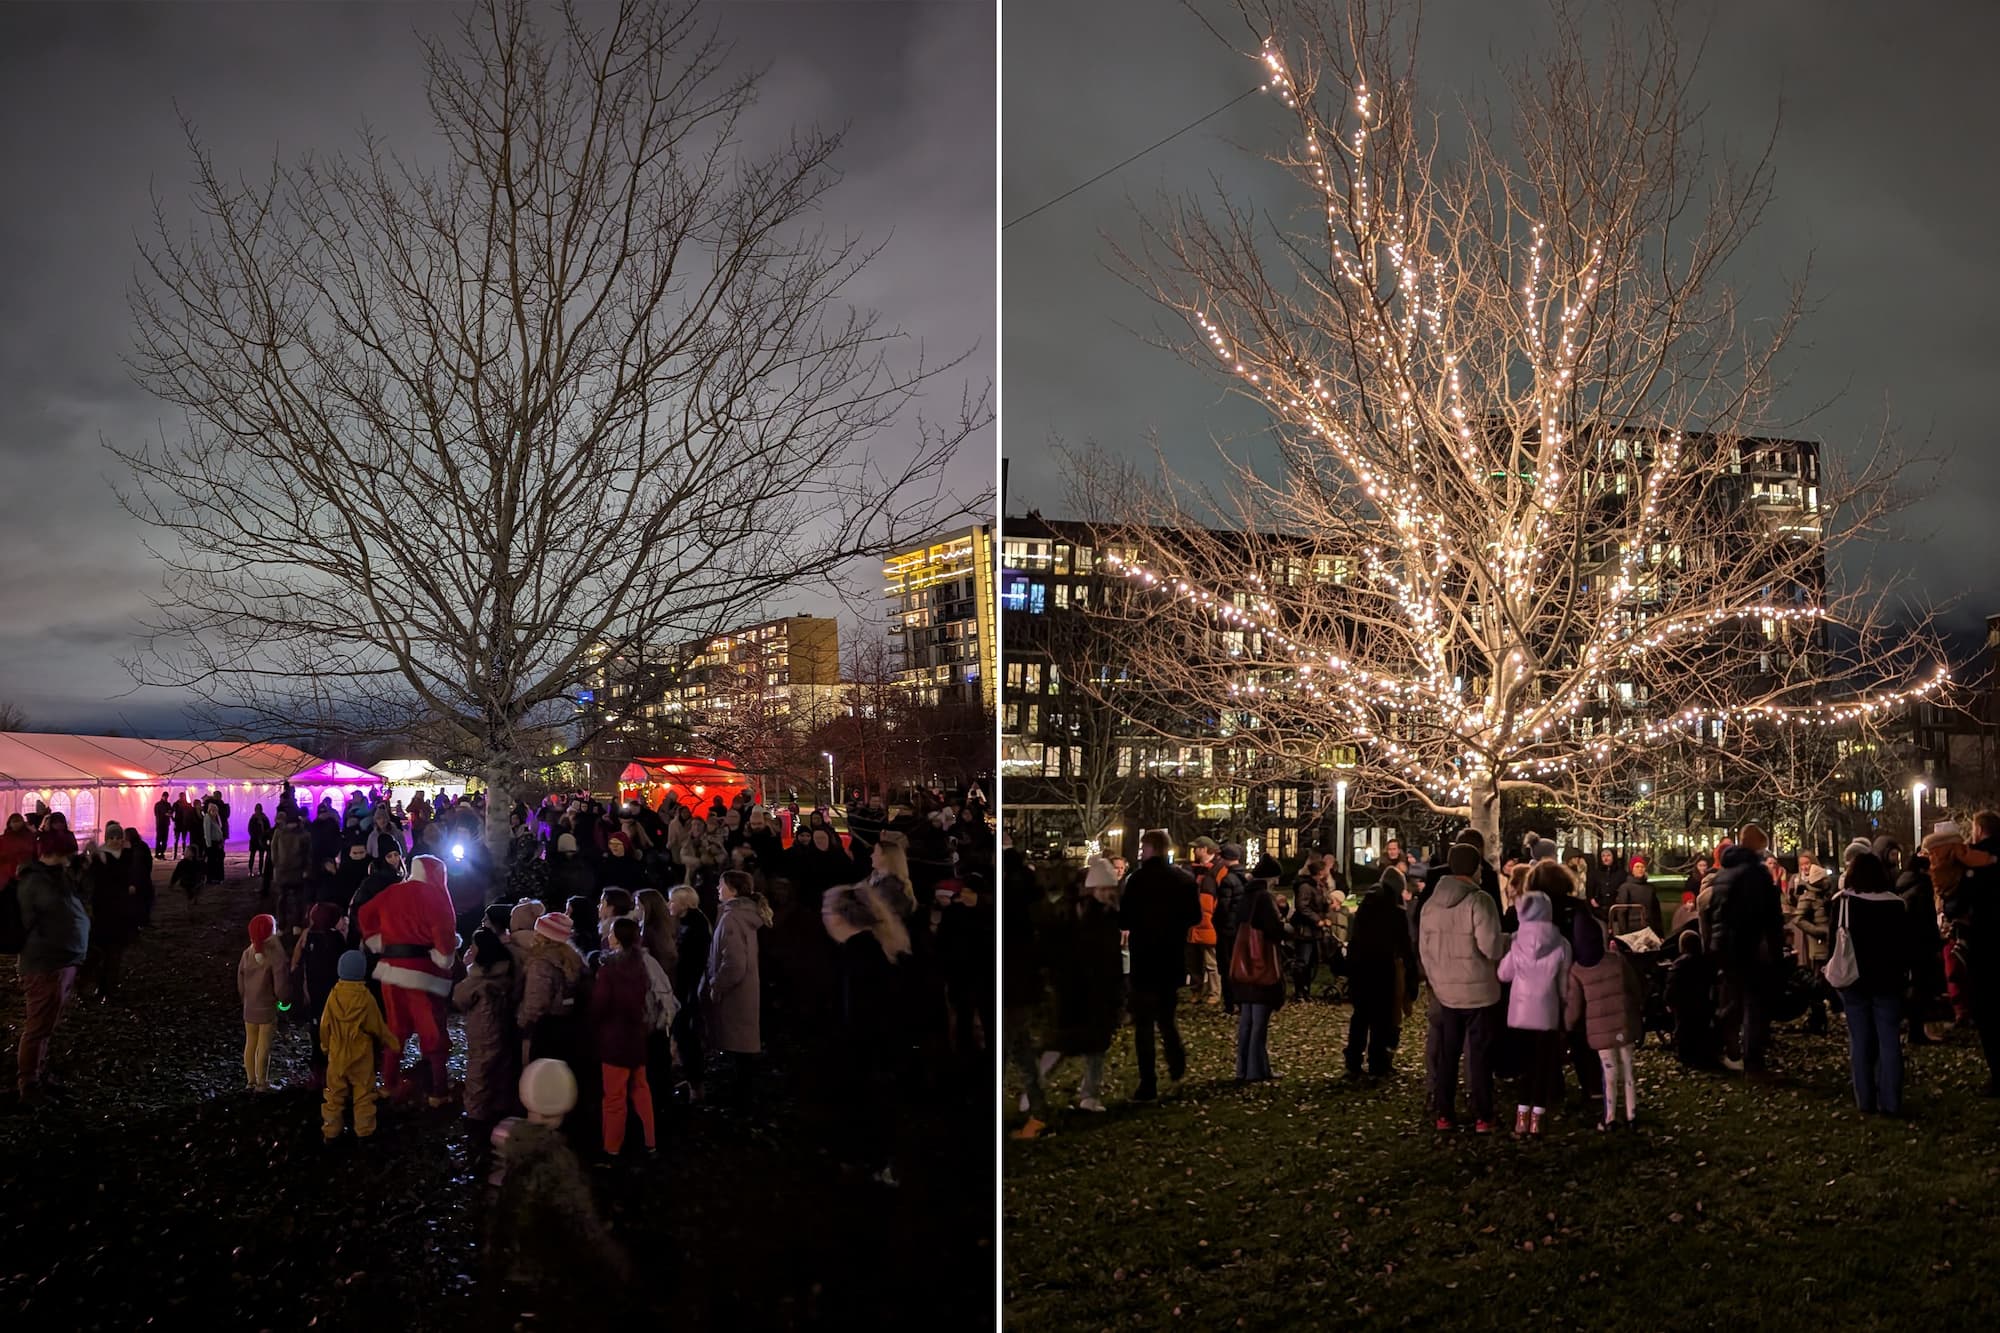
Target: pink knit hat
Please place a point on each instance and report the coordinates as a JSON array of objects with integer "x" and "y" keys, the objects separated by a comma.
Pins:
[{"x": 555, "y": 926}]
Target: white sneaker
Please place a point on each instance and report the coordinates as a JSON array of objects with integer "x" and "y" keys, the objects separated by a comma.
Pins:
[
  {"x": 1733, "y": 1066},
  {"x": 1090, "y": 1104},
  {"x": 1022, "y": 1103}
]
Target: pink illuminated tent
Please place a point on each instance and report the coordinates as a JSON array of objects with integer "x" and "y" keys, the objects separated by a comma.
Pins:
[
  {"x": 331, "y": 777},
  {"x": 98, "y": 779}
]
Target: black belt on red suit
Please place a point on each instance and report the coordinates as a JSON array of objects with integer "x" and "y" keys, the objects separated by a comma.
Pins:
[{"x": 406, "y": 951}]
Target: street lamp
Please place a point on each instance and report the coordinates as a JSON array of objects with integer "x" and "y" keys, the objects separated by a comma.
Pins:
[
  {"x": 1917, "y": 790},
  {"x": 1340, "y": 824},
  {"x": 832, "y": 801}
]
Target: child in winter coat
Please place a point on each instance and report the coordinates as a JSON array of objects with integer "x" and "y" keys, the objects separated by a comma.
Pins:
[
  {"x": 620, "y": 1008},
  {"x": 350, "y": 1030},
  {"x": 545, "y": 1230},
  {"x": 1536, "y": 967},
  {"x": 492, "y": 1048},
  {"x": 1690, "y": 999},
  {"x": 316, "y": 963},
  {"x": 1605, "y": 991},
  {"x": 263, "y": 978}
]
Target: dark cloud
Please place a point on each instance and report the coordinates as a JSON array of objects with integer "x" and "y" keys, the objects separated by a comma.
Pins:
[
  {"x": 1886, "y": 133},
  {"x": 89, "y": 103}
]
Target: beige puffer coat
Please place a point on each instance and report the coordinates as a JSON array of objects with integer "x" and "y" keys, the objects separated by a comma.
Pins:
[{"x": 1460, "y": 943}]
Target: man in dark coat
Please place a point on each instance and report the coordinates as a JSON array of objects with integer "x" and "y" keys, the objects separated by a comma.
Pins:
[
  {"x": 1381, "y": 976},
  {"x": 1745, "y": 923},
  {"x": 1489, "y": 878},
  {"x": 1161, "y": 904}
]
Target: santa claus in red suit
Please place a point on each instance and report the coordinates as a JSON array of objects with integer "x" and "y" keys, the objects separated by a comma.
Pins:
[{"x": 412, "y": 929}]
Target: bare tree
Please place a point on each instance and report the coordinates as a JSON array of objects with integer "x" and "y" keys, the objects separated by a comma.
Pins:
[
  {"x": 865, "y": 737},
  {"x": 456, "y": 434},
  {"x": 11, "y": 717},
  {"x": 1530, "y": 531}
]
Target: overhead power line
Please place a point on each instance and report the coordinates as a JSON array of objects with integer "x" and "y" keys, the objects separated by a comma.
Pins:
[{"x": 1116, "y": 166}]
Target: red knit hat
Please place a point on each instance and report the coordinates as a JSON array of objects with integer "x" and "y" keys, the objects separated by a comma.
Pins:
[
  {"x": 555, "y": 926},
  {"x": 262, "y": 927}
]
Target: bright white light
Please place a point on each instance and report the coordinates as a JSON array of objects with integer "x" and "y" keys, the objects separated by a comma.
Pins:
[{"x": 458, "y": 851}]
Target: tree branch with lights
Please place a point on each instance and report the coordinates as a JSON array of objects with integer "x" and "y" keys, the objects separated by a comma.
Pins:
[{"x": 1532, "y": 525}]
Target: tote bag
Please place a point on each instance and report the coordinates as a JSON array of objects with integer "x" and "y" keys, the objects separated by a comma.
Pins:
[
  {"x": 1253, "y": 962},
  {"x": 1841, "y": 969}
]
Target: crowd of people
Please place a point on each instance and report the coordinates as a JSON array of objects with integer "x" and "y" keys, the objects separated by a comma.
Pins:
[
  {"x": 1535, "y": 967},
  {"x": 640, "y": 949}
]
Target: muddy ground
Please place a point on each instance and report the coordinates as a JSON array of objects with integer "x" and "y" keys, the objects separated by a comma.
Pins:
[{"x": 157, "y": 1192}]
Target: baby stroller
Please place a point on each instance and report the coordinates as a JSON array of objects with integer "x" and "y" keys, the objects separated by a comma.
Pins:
[
  {"x": 1310, "y": 945},
  {"x": 1652, "y": 968}
]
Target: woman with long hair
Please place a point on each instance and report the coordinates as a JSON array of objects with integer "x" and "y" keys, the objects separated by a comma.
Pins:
[{"x": 889, "y": 864}]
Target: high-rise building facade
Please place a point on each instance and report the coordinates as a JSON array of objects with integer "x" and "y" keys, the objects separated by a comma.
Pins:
[
  {"x": 941, "y": 617},
  {"x": 776, "y": 670}
]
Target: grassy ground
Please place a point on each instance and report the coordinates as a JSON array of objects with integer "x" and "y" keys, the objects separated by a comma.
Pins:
[{"x": 1320, "y": 1197}]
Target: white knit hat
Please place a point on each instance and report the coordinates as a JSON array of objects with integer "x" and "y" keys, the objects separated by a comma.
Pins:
[
  {"x": 548, "y": 1088},
  {"x": 1098, "y": 874}
]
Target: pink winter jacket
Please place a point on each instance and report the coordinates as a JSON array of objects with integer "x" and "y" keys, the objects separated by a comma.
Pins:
[{"x": 1537, "y": 967}]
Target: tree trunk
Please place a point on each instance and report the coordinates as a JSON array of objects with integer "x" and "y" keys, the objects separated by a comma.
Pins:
[
  {"x": 1484, "y": 802},
  {"x": 500, "y": 782}
]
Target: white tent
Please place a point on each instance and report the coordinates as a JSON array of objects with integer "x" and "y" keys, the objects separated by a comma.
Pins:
[
  {"x": 97, "y": 779},
  {"x": 407, "y": 777}
]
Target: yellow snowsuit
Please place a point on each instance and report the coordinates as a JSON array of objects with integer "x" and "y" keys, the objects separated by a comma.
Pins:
[{"x": 349, "y": 1031}]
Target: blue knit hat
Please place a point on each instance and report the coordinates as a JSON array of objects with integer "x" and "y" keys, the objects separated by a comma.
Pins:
[{"x": 353, "y": 966}]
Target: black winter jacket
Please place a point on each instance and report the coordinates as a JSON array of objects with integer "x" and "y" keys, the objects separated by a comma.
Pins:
[
  {"x": 1162, "y": 903},
  {"x": 1745, "y": 920},
  {"x": 1878, "y": 923}
]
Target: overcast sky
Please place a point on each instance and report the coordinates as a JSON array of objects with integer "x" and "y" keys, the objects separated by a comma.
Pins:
[
  {"x": 1883, "y": 178},
  {"x": 88, "y": 123}
]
